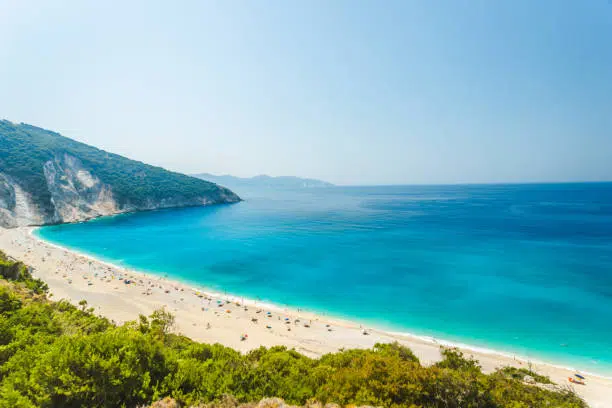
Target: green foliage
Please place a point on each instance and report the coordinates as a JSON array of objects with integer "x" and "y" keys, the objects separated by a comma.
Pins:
[
  {"x": 24, "y": 150},
  {"x": 396, "y": 350},
  {"x": 454, "y": 359},
  {"x": 53, "y": 354},
  {"x": 520, "y": 373},
  {"x": 18, "y": 272}
]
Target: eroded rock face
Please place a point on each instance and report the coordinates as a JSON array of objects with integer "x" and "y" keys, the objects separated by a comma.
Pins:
[
  {"x": 16, "y": 206},
  {"x": 77, "y": 194}
]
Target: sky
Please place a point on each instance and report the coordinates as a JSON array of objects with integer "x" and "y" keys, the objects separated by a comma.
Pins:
[{"x": 353, "y": 92}]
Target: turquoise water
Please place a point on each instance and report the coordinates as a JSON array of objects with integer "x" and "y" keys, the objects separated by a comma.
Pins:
[{"x": 524, "y": 269}]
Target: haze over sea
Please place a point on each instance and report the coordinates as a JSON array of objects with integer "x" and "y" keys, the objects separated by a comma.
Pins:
[{"x": 523, "y": 269}]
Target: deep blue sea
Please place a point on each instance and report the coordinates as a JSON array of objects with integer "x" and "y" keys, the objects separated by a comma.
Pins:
[{"x": 524, "y": 269}]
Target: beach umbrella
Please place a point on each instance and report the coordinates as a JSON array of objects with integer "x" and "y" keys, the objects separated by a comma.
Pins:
[{"x": 579, "y": 376}]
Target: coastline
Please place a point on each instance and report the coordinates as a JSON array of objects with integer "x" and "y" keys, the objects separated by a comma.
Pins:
[
  {"x": 322, "y": 316},
  {"x": 227, "y": 321}
]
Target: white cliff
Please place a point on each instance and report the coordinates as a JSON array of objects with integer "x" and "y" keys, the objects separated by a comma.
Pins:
[
  {"x": 76, "y": 195},
  {"x": 16, "y": 207}
]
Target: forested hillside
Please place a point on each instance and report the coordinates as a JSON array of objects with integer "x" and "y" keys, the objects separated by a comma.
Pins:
[{"x": 45, "y": 177}]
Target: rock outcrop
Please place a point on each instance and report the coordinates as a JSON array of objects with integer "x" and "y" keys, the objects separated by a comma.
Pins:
[
  {"x": 227, "y": 401},
  {"x": 16, "y": 206},
  {"x": 76, "y": 194},
  {"x": 46, "y": 178}
]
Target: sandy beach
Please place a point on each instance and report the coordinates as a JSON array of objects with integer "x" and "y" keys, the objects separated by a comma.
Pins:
[{"x": 216, "y": 318}]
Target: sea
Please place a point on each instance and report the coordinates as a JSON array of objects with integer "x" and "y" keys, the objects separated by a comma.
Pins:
[{"x": 525, "y": 270}]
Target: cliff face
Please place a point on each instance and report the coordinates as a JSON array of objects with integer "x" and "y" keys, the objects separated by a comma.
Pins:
[
  {"x": 16, "y": 206},
  {"x": 46, "y": 179},
  {"x": 76, "y": 194}
]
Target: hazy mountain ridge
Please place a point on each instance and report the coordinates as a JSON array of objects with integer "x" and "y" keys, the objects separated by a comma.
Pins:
[
  {"x": 47, "y": 178},
  {"x": 263, "y": 181}
]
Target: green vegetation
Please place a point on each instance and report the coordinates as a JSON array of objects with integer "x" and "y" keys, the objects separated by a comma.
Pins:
[
  {"x": 54, "y": 354},
  {"x": 18, "y": 272},
  {"x": 521, "y": 373},
  {"x": 24, "y": 150}
]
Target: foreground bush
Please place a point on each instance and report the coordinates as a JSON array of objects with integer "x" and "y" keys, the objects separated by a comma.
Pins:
[{"x": 53, "y": 354}]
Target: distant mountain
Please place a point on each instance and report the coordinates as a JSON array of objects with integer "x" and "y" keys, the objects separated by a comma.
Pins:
[
  {"x": 47, "y": 178},
  {"x": 263, "y": 181}
]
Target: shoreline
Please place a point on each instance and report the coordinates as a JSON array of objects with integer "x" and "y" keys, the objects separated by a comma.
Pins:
[
  {"x": 323, "y": 334},
  {"x": 270, "y": 305}
]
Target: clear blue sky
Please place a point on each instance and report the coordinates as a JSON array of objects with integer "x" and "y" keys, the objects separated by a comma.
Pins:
[{"x": 353, "y": 92}]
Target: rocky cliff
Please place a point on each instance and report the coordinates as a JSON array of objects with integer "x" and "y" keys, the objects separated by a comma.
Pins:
[
  {"x": 16, "y": 206},
  {"x": 46, "y": 178}
]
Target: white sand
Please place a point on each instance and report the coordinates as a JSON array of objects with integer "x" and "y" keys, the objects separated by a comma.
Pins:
[{"x": 74, "y": 277}]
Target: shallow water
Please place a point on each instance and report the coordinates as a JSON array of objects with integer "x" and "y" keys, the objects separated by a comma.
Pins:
[{"x": 524, "y": 269}]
